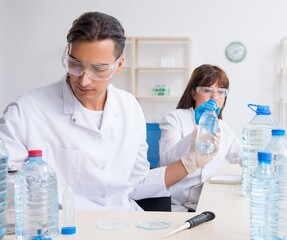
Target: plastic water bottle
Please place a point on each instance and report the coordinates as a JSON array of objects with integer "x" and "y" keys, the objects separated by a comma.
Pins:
[
  {"x": 3, "y": 188},
  {"x": 12, "y": 170},
  {"x": 207, "y": 126},
  {"x": 278, "y": 147},
  {"x": 264, "y": 200},
  {"x": 255, "y": 137},
  {"x": 36, "y": 199}
]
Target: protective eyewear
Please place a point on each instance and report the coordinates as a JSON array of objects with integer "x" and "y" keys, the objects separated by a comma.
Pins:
[
  {"x": 209, "y": 91},
  {"x": 94, "y": 71}
]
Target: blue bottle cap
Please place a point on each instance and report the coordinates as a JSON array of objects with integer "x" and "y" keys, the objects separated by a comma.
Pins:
[
  {"x": 265, "y": 157},
  {"x": 68, "y": 230},
  {"x": 278, "y": 132},
  {"x": 260, "y": 110}
]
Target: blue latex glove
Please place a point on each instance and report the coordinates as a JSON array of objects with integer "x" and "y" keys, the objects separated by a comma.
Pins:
[{"x": 210, "y": 105}]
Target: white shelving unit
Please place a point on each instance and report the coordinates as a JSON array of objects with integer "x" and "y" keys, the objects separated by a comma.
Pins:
[
  {"x": 283, "y": 83},
  {"x": 151, "y": 61}
]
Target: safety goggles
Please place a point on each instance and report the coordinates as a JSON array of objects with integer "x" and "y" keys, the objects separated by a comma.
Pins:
[
  {"x": 95, "y": 72},
  {"x": 209, "y": 91}
]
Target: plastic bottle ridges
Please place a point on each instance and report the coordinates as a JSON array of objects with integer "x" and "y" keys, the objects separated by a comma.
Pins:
[
  {"x": 12, "y": 170},
  {"x": 3, "y": 188},
  {"x": 207, "y": 126},
  {"x": 36, "y": 199},
  {"x": 278, "y": 147},
  {"x": 264, "y": 200},
  {"x": 255, "y": 137}
]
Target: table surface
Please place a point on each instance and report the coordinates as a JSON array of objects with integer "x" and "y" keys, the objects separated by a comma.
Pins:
[{"x": 226, "y": 201}]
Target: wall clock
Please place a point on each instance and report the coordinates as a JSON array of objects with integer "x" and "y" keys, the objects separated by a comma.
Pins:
[{"x": 235, "y": 52}]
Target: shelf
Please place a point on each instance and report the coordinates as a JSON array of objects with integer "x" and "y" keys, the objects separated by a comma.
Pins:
[
  {"x": 158, "y": 98},
  {"x": 283, "y": 84},
  {"x": 159, "y": 69},
  {"x": 151, "y": 61}
]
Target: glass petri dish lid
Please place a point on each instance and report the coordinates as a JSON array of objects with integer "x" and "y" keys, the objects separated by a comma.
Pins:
[
  {"x": 155, "y": 224},
  {"x": 113, "y": 224}
]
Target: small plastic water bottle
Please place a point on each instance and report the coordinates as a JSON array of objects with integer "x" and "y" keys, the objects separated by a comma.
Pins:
[
  {"x": 278, "y": 147},
  {"x": 36, "y": 199},
  {"x": 255, "y": 137},
  {"x": 12, "y": 170},
  {"x": 3, "y": 188},
  {"x": 68, "y": 212},
  {"x": 207, "y": 126},
  {"x": 264, "y": 200}
]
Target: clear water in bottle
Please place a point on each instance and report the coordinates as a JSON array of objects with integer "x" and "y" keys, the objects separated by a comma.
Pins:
[
  {"x": 255, "y": 137},
  {"x": 3, "y": 188},
  {"x": 264, "y": 200},
  {"x": 207, "y": 126},
  {"x": 12, "y": 170},
  {"x": 36, "y": 199},
  {"x": 278, "y": 147}
]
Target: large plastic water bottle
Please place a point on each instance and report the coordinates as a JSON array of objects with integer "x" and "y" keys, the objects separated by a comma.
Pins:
[
  {"x": 278, "y": 147},
  {"x": 207, "y": 126},
  {"x": 255, "y": 137},
  {"x": 264, "y": 200},
  {"x": 36, "y": 199},
  {"x": 3, "y": 188}
]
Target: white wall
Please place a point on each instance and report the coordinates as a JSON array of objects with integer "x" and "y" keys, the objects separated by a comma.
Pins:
[{"x": 33, "y": 36}]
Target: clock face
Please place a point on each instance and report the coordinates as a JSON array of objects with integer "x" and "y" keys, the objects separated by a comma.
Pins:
[{"x": 235, "y": 52}]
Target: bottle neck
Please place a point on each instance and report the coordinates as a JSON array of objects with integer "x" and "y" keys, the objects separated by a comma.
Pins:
[
  {"x": 34, "y": 158},
  {"x": 278, "y": 136}
]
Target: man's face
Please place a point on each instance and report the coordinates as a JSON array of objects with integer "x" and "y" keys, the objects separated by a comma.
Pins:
[{"x": 89, "y": 89}]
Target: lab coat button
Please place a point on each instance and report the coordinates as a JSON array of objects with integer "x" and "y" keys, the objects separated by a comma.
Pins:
[{"x": 74, "y": 120}]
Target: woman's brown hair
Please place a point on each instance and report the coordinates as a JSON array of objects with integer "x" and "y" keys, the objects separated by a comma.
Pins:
[{"x": 205, "y": 75}]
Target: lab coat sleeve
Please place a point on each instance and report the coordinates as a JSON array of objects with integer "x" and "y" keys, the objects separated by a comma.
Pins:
[
  {"x": 12, "y": 132},
  {"x": 173, "y": 143},
  {"x": 147, "y": 183},
  {"x": 153, "y": 185}
]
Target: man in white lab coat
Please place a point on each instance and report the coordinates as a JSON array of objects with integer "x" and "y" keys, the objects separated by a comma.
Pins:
[{"x": 91, "y": 133}]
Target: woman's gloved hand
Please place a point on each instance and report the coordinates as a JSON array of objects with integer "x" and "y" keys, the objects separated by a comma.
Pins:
[
  {"x": 195, "y": 160},
  {"x": 210, "y": 105}
]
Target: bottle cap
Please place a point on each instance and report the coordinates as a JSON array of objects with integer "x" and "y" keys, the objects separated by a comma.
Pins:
[
  {"x": 34, "y": 153},
  {"x": 261, "y": 109},
  {"x": 265, "y": 157},
  {"x": 278, "y": 132},
  {"x": 68, "y": 230}
]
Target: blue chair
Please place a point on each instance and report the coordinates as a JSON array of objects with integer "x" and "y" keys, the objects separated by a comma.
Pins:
[
  {"x": 153, "y": 137},
  {"x": 159, "y": 203}
]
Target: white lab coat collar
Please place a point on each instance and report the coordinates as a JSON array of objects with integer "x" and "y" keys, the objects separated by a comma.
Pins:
[{"x": 111, "y": 108}]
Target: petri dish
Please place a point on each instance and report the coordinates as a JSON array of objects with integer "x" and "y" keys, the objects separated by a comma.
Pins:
[
  {"x": 113, "y": 224},
  {"x": 154, "y": 224}
]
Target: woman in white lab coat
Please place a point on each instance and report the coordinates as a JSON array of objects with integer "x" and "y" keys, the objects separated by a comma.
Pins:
[{"x": 206, "y": 82}]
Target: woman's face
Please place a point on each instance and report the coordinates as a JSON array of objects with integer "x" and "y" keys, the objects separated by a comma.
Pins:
[{"x": 203, "y": 94}]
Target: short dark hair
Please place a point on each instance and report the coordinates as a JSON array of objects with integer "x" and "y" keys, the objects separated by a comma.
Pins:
[
  {"x": 98, "y": 26},
  {"x": 204, "y": 75}
]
